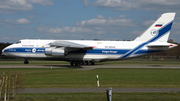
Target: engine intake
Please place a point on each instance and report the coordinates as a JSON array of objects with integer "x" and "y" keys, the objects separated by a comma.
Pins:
[{"x": 53, "y": 51}]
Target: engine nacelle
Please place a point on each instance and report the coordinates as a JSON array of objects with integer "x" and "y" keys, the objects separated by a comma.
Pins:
[
  {"x": 52, "y": 51},
  {"x": 48, "y": 51}
]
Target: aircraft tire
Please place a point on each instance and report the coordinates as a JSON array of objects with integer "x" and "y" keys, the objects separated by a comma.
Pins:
[
  {"x": 26, "y": 62},
  {"x": 92, "y": 63},
  {"x": 83, "y": 63},
  {"x": 86, "y": 63},
  {"x": 72, "y": 63},
  {"x": 76, "y": 63}
]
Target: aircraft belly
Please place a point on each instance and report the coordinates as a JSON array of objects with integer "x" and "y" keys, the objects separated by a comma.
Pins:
[
  {"x": 91, "y": 57},
  {"x": 11, "y": 54}
]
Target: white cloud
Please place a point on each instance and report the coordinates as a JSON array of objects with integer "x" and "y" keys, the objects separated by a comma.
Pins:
[
  {"x": 8, "y": 6},
  {"x": 64, "y": 30},
  {"x": 15, "y": 5},
  {"x": 42, "y": 2},
  {"x": 100, "y": 16},
  {"x": 86, "y": 3},
  {"x": 19, "y": 21},
  {"x": 122, "y": 16},
  {"x": 12, "y": 24},
  {"x": 147, "y": 5},
  {"x": 110, "y": 22},
  {"x": 137, "y": 32},
  {"x": 22, "y": 21},
  {"x": 148, "y": 23},
  {"x": 92, "y": 29}
]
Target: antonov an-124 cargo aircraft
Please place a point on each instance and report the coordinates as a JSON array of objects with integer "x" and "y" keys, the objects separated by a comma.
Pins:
[{"x": 88, "y": 52}]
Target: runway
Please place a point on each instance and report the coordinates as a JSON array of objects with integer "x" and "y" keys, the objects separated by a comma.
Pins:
[
  {"x": 93, "y": 67},
  {"x": 95, "y": 90}
]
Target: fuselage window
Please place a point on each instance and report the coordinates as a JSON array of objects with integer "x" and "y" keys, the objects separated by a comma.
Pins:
[{"x": 18, "y": 42}]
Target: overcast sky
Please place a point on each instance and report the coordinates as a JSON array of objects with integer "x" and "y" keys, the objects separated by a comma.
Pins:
[{"x": 82, "y": 19}]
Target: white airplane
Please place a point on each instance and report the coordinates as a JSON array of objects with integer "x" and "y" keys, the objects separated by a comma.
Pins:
[{"x": 88, "y": 52}]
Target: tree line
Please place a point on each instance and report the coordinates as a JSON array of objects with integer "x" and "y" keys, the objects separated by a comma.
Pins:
[{"x": 2, "y": 46}]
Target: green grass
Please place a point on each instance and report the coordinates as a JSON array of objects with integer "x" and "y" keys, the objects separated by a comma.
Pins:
[
  {"x": 70, "y": 77},
  {"x": 99, "y": 97}
]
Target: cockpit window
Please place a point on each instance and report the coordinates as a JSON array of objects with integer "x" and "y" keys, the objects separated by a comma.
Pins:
[{"x": 18, "y": 42}]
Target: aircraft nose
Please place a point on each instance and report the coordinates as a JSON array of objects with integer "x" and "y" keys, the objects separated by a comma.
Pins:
[{"x": 3, "y": 51}]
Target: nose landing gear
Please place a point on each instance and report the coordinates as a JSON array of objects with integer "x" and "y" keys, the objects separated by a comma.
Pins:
[{"x": 26, "y": 62}]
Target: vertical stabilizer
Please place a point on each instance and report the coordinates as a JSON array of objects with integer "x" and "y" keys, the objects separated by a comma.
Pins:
[{"x": 159, "y": 30}]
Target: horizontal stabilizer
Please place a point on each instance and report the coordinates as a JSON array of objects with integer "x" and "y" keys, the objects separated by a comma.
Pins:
[{"x": 160, "y": 45}]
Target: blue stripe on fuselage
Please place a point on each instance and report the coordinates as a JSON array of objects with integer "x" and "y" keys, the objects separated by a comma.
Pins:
[
  {"x": 102, "y": 51},
  {"x": 25, "y": 50},
  {"x": 94, "y": 51}
]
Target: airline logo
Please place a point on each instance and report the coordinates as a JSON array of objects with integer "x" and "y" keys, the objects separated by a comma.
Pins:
[
  {"x": 34, "y": 50},
  {"x": 154, "y": 32},
  {"x": 159, "y": 25}
]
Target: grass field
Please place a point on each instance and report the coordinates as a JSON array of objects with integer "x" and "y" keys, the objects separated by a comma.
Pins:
[
  {"x": 71, "y": 77},
  {"x": 46, "y": 78}
]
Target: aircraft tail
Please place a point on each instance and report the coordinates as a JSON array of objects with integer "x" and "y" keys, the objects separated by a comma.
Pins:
[{"x": 159, "y": 31}]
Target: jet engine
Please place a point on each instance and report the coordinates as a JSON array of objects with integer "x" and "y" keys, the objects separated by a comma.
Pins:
[{"x": 53, "y": 51}]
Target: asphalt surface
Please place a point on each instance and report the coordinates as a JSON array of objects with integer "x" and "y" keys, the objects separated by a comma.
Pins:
[
  {"x": 93, "y": 67},
  {"x": 95, "y": 90},
  {"x": 86, "y": 68}
]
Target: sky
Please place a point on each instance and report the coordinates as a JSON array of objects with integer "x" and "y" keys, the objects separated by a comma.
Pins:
[{"x": 83, "y": 19}]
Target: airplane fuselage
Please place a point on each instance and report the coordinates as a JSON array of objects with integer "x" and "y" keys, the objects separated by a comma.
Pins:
[{"x": 101, "y": 50}]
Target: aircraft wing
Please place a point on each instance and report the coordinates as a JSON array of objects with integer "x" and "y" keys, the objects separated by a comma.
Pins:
[{"x": 68, "y": 44}]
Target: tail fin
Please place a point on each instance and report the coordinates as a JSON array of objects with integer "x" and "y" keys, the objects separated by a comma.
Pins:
[{"x": 158, "y": 31}]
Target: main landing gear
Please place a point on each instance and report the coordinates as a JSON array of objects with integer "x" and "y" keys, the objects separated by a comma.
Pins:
[
  {"x": 78, "y": 63},
  {"x": 26, "y": 62}
]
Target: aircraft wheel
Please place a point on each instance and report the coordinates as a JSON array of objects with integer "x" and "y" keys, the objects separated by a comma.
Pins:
[
  {"x": 92, "y": 63},
  {"x": 86, "y": 63},
  {"x": 76, "y": 63},
  {"x": 72, "y": 63},
  {"x": 80, "y": 63},
  {"x": 83, "y": 63},
  {"x": 26, "y": 62}
]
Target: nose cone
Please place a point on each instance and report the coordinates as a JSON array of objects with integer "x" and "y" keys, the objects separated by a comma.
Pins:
[{"x": 3, "y": 53}]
